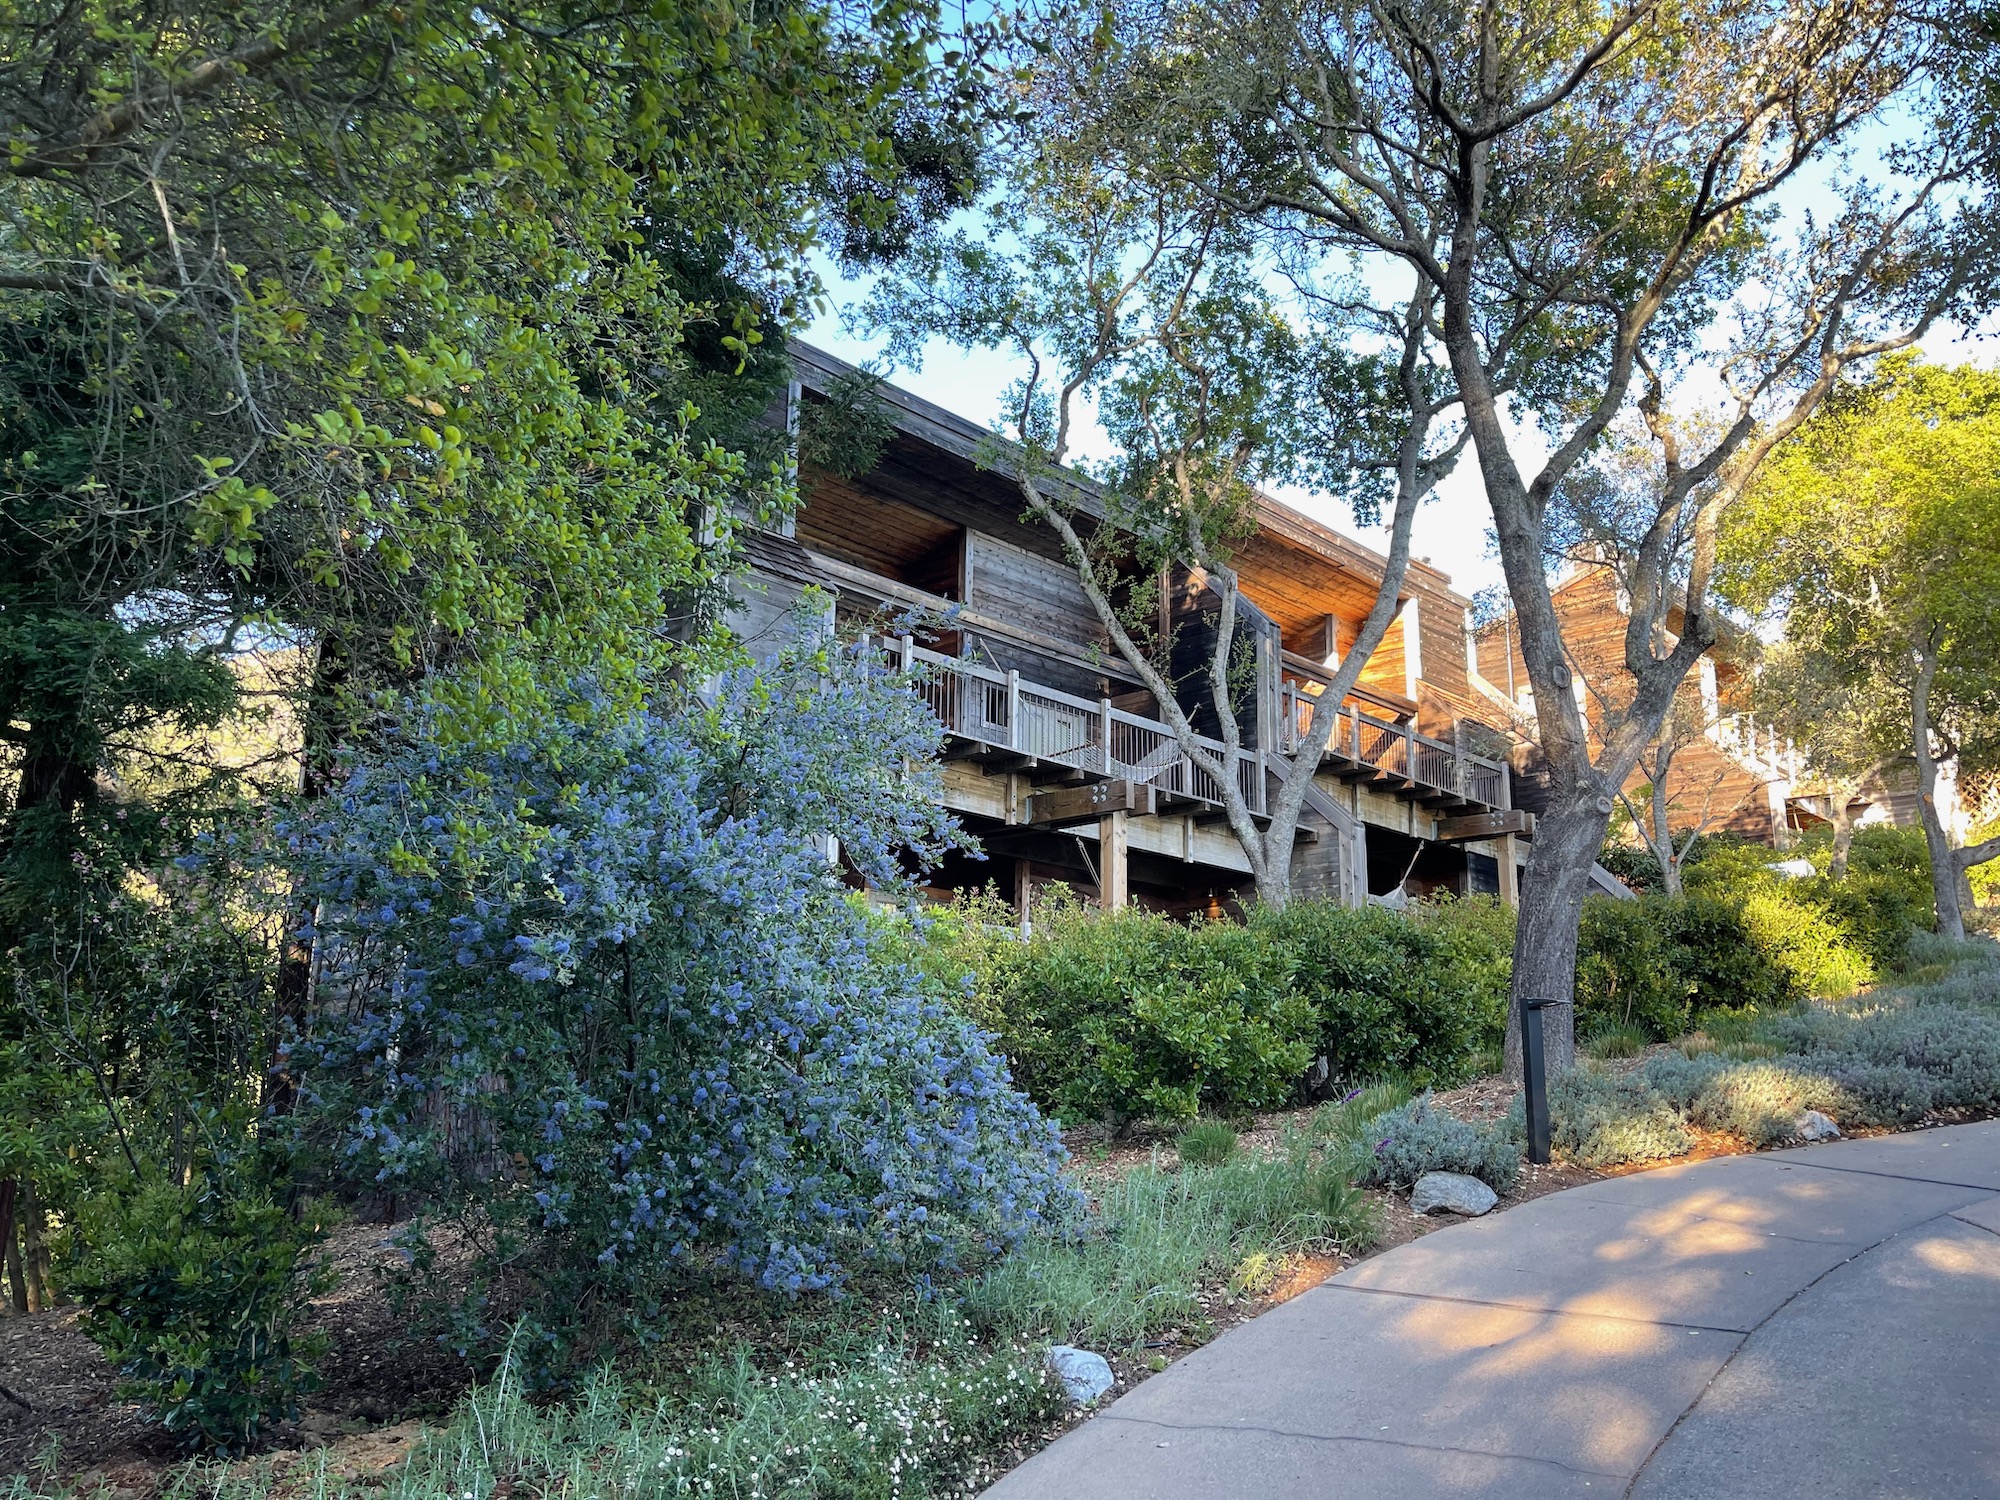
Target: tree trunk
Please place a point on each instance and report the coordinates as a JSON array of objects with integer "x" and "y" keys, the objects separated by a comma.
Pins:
[
  {"x": 35, "y": 1261},
  {"x": 17, "y": 1279},
  {"x": 319, "y": 769},
  {"x": 1945, "y": 877},
  {"x": 1274, "y": 884},
  {"x": 7, "y": 1192},
  {"x": 38, "y": 833},
  {"x": 1843, "y": 832},
  {"x": 1670, "y": 872},
  {"x": 1567, "y": 838}
]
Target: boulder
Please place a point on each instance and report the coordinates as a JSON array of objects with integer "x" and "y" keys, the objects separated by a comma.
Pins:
[
  {"x": 1814, "y": 1126},
  {"x": 1454, "y": 1192},
  {"x": 1084, "y": 1376}
]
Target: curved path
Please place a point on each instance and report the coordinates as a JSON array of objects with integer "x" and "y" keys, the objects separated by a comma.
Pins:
[{"x": 1818, "y": 1323}]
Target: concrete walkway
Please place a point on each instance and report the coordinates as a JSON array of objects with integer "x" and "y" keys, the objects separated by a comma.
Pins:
[{"x": 1819, "y": 1323}]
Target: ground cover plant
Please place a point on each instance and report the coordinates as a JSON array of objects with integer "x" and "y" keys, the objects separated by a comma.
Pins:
[
  {"x": 1422, "y": 1136},
  {"x": 1158, "y": 1236},
  {"x": 1928, "y": 1043}
]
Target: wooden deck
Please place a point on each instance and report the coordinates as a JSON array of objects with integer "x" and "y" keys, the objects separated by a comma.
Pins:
[
  {"x": 1374, "y": 743},
  {"x": 1010, "y": 722}
]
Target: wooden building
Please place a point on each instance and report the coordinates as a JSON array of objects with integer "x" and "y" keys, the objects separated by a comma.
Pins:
[
  {"x": 1728, "y": 772},
  {"x": 1057, "y": 757}
]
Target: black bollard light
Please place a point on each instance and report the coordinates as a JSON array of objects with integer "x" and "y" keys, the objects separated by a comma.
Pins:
[{"x": 1535, "y": 1078}]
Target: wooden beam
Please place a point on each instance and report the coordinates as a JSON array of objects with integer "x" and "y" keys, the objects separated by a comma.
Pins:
[
  {"x": 1486, "y": 825},
  {"x": 1084, "y": 804},
  {"x": 1510, "y": 876},
  {"x": 1113, "y": 887}
]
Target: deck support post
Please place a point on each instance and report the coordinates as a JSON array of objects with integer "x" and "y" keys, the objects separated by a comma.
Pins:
[
  {"x": 1112, "y": 848},
  {"x": 1510, "y": 874}
]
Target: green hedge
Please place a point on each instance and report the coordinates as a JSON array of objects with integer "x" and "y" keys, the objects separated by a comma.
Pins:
[
  {"x": 1743, "y": 936},
  {"x": 1136, "y": 1015}
]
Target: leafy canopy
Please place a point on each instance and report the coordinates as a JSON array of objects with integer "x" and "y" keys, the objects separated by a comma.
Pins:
[{"x": 1875, "y": 533}]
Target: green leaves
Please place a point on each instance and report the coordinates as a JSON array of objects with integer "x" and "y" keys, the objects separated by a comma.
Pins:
[
  {"x": 192, "y": 1292},
  {"x": 440, "y": 290},
  {"x": 1873, "y": 533}
]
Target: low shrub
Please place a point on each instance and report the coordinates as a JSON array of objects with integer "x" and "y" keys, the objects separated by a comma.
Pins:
[
  {"x": 1761, "y": 1102},
  {"x": 1474, "y": 962},
  {"x": 1129, "y": 1015},
  {"x": 1884, "y": 1094},
  {"x": 194, "y": 1294},
  {"x": 1932, "y": 948},
  {"x": 1422, "y": 1136},
  {"x": 1616, "y": 1040},
  {"x": 1626, "y": 974},
  {"x": 1956, "y": 1047},
  {"x": 1886, "y": 1059},
  {"x": 1680, "y": 1080},
  {"x": 1396, "y": 993},
  {"x": 1804, "y": 944},
  {"x": 1754, "y": 945},
  {"x": 1601, "y": 1120},
  {"x": 1719, "y": 955},
  {"x": 1134, "y": 1015},
  {"x": 1206, "y": 1143}
]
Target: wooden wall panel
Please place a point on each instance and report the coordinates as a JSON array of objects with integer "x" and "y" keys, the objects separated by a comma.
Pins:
[
  {"x": 1041, "y": 594},
  {"x": 1386, "y": 670},
  {"x": 1441, "y": 624},
  {"x": 1706, "y": 784}
]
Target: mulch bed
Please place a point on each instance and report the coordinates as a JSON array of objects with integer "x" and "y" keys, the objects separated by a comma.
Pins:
[{"x": 377, "y": 1370}]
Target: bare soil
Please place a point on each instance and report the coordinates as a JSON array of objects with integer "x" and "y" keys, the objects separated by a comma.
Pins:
[{"x": 378, "y": 1370}]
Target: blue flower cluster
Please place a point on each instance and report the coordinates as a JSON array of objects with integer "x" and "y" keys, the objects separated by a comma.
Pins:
[{"x": 611, "y": 984}]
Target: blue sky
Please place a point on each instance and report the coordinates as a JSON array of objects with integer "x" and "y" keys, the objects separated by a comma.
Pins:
[{"x": 1453, "y": 529}]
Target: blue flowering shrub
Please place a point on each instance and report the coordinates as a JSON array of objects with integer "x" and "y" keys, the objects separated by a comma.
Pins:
[{"x": 608, "y": 990}]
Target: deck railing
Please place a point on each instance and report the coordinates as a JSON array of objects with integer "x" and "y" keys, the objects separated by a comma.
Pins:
[
  {"x": 1004, "y": 712},
  {"x": 1756, "y": 746},
  {"x": 1367, "y": 735}
]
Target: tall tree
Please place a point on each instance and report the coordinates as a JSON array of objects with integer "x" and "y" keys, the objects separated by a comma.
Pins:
[
  {"x": 1597, "y": 186},
  {"x": 1656, "y": 805},
  {"x": 1129, "y": 301},
  {"x": 1875, "y": 531},
  {"x": 426, "y": 338},
  {"x": 1852, "y": 735}
]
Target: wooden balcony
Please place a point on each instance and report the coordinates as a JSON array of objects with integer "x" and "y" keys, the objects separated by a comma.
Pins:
[
  {"x": 1001, "y": 717},
  {"x": 1375, "y": 743},
  {"x": 999, "y": 713}
]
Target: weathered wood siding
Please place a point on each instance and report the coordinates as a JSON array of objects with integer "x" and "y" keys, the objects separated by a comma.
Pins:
[
  {"x": 1043, "y": 595},
  {"x": 1706, "y": 785}
]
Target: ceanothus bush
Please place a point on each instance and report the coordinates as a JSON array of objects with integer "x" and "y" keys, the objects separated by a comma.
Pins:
[{"x": 606, "y": 986}]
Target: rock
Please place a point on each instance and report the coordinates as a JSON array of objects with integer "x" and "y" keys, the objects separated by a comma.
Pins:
[
  {"x": 1084, "y": 1376},
  {"x": 1452, "y": 1191},
  {"x": 1814, "y": 1126}
]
